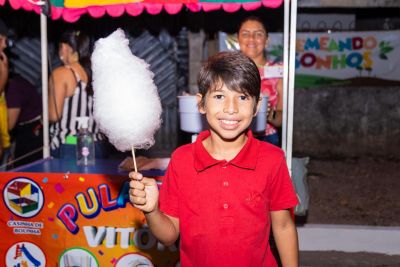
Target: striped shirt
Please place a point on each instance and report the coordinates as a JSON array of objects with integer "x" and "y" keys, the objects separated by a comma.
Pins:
[{"x": 78, "y": 105}]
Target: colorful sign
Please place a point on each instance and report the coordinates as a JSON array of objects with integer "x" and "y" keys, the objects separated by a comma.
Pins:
[
  {"x": 74, "y": 220},
  {"x": 351, "y": 58},
  {"x": 348, "y": 58}
]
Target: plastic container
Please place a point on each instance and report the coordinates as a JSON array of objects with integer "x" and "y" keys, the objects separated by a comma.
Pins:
[
  {"x": 85, "y": 154},
  {"x": 192, "y": 121},
  {"x": 260, "y": 121}
]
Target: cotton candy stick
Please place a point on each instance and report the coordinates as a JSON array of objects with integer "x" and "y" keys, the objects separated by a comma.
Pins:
[{"x": 134, "y": 159}]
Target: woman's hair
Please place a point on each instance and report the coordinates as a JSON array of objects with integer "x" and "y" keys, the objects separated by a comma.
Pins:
[
  {"x": 232, "y": 69},
  {"x": 80, "y": 43},
  {"x": 253, "y": 18}
]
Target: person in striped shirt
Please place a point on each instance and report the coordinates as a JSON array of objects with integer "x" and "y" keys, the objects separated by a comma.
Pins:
[{"x": 71, "y": 96}]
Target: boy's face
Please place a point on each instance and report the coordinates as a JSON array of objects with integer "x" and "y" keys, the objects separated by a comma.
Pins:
[{"x": 229, "y": 113}]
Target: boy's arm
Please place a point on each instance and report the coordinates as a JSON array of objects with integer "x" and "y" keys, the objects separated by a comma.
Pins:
[
  {"x": 164, "y": 227},
  {"x": 285, "y": 235},
  {"x": 143, "y": 194}
]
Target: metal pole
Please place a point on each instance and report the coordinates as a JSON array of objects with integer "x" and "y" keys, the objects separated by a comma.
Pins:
[
  {"x": 285, "y": 72},
  {"x": 45, "y": 79},
  {"x": 292, "y": 61}
]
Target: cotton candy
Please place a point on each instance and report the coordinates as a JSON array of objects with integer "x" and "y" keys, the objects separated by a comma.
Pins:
[{"x": 127, "y": 107}]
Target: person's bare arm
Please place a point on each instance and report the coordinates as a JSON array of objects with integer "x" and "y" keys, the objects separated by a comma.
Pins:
[
  {"x": 143, "y": 195},
  {"x": 3, "y": 71},
  {"x": 275, "y": 116},
  {"x": 164, "y": 227},
  {"x": 13, "y": 114},
  {"x": 57, "y": 92},
  {"x": 285, "y": 235}
]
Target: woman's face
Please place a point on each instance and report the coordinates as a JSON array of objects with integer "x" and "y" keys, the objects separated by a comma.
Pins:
[{"x": 253, "y": 39}]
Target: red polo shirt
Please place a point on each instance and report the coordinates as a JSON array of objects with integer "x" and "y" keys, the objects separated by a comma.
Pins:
[{"x": 223, "y": 207}]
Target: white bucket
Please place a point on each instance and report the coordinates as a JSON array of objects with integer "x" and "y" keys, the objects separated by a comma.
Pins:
[
  {"x": 260, "y": 121},
  {"x": 192, "y": 121}
]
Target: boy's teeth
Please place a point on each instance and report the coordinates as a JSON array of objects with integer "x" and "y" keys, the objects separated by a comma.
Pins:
[{"x": 229, "y": 122}]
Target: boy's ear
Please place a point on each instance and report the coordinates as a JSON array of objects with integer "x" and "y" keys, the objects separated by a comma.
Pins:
[
  {"x": 200, "y": 105},
  {"x": 258, "y": 106}
]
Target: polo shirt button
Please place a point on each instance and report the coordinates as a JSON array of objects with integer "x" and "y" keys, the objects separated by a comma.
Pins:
[
  {"x": 224, "y": 166},
  {"x": 226, "y": 206},
  {"x": 226, "y": 183}
]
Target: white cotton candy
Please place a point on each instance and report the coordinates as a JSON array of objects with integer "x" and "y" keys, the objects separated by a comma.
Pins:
[{"x": 127, "y": 107}]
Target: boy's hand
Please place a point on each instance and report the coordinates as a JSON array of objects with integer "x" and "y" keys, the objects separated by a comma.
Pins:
[{"x": 143, "y": 193}]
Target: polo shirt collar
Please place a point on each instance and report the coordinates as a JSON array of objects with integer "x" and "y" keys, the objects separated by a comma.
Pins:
[{"x": 246, "y": 158}]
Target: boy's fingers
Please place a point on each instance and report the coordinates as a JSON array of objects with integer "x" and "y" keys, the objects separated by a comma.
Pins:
[
  {"x": 135, "y": 176},
  {"x": 138, "y": 193},
  {"x": 137, "y": 200},
  {"x": 133, "y": 184},
  {"x": 148, "y": 181}
]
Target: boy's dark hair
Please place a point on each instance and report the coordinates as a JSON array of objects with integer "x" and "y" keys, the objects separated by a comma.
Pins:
[
  {"x": 253, "y": 18},
  {"x": 237, "y": 71},
  {"x": 80, "y": 43}
]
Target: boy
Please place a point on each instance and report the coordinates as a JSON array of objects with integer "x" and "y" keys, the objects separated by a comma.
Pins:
[{"x": 222, "y": 193}]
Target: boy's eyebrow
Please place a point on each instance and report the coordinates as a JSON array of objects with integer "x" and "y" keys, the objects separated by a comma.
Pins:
[{"x": 217, "y": 89}]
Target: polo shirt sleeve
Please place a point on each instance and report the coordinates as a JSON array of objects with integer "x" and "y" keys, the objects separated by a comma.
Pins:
[
  {"x": 282, "y": 193},
  {"x": 169, "y": 201}
]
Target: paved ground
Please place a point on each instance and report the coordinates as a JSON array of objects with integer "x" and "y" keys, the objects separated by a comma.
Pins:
[{"x": 341, "y": 259}]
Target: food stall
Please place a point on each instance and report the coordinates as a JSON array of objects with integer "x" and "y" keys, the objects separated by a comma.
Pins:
[{"x": 55, "y": 213}]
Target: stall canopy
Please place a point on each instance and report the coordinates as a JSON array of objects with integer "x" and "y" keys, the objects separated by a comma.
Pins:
[{"x": 72, "y": 10}]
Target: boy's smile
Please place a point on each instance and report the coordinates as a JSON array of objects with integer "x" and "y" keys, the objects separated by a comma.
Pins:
[
  {"x": 229, "y": 124},
  {"x": 229, "y": 113}
]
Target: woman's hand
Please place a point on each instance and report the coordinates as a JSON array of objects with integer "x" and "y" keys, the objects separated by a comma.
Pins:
[{"x": 143, "y": 193}]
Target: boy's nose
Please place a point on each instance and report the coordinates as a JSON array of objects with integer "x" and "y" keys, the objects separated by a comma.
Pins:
[{"x": 230, "y": 107}]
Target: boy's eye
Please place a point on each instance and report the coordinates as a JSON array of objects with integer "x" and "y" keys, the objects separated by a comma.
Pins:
[
  {"x": 243, "y": 97},
  {"x": 218, "y": 96}
]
